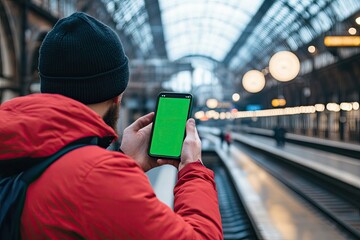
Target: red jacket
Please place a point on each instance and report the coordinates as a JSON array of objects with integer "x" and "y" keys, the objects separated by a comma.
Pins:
[
  {"x": 93, "y": 193},
  {"x": 228, "y": 137}
]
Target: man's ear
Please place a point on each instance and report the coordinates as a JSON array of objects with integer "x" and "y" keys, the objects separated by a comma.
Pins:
[{"x": 117, "y": 99}]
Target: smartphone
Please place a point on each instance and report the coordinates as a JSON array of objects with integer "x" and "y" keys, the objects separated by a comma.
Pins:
[{"x": 168, "y": 129}]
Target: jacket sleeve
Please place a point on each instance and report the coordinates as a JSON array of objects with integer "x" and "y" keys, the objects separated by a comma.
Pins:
[
  {"x": 118, "y": 202},
  {"x": 196, "y": 200}
]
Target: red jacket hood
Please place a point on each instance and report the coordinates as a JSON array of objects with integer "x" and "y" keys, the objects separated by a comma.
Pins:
[{"x": 39, "y": 125}]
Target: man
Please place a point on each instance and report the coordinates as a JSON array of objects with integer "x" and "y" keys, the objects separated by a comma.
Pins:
[
  {"x": 222, "y": 138},
  {"x": 279, "y": 135},
  {"x": 91, "y": 192},
  {"x": 228, "y": 139}
]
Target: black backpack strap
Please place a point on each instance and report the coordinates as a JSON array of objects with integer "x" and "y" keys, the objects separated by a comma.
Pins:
[
  {"x": 13, "y": 191},
  {"x": 33, "y": 173}
]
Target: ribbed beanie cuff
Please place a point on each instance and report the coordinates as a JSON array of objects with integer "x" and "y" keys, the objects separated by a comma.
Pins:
[
  {"x": 88, "y": 90},
  {"x": 83, "y": 59}
]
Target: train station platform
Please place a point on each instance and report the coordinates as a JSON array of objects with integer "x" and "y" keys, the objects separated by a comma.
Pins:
[
  {"x": 337, "y": 166},
  {"x": 340, "y": 167},
  {"x": 340, "y": 147},
  {"x": 276, "y": 211}
]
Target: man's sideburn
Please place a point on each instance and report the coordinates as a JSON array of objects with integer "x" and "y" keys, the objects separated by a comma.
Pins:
[{"x": 112, "y": 115}]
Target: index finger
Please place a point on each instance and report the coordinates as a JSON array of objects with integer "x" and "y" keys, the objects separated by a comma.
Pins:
[{"x": 142, "y": 122}]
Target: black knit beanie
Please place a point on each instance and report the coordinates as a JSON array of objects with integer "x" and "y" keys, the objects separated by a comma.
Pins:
[{"x": 83, "y": 59}]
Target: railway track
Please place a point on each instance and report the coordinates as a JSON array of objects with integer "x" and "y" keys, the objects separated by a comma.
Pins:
[
  {"x": 235, "y": 220},
  {"x": 337, "y": 201}
]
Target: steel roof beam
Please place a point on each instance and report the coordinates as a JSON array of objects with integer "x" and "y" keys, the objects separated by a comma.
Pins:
[
  {"x": 153, "y": 9},
  {"x": 248, "y": 30}
]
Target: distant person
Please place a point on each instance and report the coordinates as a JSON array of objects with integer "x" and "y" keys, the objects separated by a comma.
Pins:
[
  {"x": 279, "y": 135},
  {"x": 91, "y": 192},
  {"x": 222, "y": 138},
  {"x": 228, "y": 139}
]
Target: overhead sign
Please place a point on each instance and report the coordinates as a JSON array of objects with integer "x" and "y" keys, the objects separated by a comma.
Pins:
[
  {"x": 342, "y": 41},
  {"x": 253, "y": 107},
  {"x": 278, "y": 102}
]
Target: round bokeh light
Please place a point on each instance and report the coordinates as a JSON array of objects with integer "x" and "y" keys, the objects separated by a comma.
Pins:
[
  {"x": 253, "y": 81},
  {"x": 212, "y": 103},
  {"x": 236, "y": 97},
  {"x": 284, "y": 66}
]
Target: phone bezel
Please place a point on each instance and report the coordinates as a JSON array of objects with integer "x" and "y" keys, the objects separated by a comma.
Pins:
[{"x": 171, "y": 95}]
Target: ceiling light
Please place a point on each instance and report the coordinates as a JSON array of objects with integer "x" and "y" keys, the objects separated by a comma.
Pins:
[
  {"x": 284, "y": 66},
  {"x": 253, "y": 81},
  {"x": 236, "y": 97},
  {"x": 357, "y": 20},
  {"x": 311, "y": 49},
  {"x": 352, "y": 31},
  {"x": 212, "y": 103}
]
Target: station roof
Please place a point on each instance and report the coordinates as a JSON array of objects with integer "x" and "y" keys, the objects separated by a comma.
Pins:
[
  {"x": 229, "y": 31},
  {"x": 236, "y": 35}
]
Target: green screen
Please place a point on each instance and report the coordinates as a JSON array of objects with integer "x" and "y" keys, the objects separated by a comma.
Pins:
[{"x": 169, "y": 126}]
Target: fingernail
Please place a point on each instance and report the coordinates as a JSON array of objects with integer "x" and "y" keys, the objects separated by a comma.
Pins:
[{"x": 192, "y": 121}]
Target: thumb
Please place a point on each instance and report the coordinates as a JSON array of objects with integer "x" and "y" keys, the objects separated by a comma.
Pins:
[
  {"x": 142, "y": 122},
  {"x": 191, "y": 128}
]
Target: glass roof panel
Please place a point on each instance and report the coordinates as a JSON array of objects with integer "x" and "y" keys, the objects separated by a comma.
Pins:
[
  {"x": 344, "y": 8},
  {"x": 293, "y": 22},
  {"x": 131, "y": 17},
  {"x": 218, "y": 27},
  {"x": 204, "y": 27}
]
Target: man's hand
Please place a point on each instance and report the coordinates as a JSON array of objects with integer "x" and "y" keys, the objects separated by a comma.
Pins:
[
  {"x": 191, "y": 150},
  {"x": 135, "y": 143}
]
